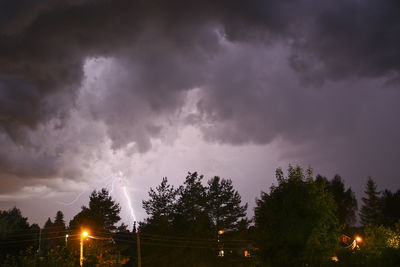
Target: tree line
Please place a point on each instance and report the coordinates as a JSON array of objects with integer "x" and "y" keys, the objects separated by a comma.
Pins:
[{"x": 301, "y": 221}]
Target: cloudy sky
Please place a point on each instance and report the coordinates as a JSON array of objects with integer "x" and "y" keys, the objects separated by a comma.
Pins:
[{"x": 119, "y": 93}]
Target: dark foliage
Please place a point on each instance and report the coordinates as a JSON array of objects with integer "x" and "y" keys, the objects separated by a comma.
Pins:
[
  {"x": 371, "y": 210},
  {"x": 390, "y": 207},
  {"x": 224, "y": 204},
  {"x": 345, "y": 199},
  {"x": 183, "y": 223},
  {"x": 60, "y": 256},
  {"x": 15, "y": 233},
  {"x": 101, "y": 215},
  {"x": 296, "y": 223}
]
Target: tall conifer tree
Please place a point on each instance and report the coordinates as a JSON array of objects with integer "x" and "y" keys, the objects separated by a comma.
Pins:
[{"x": 371, "y": 210}]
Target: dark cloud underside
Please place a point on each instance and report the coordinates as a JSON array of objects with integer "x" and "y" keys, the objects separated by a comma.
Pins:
[{"x": 309, "y": 72}]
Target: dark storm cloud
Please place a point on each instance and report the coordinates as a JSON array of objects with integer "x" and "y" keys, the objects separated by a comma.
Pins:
[
  {"x": 254, "y": 101},
  {"x": 355, "y": 38},
  {"x": 44, "y": 44},
  {"x": 266, "y": 69}
]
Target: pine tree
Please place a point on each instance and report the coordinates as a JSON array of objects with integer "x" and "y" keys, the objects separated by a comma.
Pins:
[
  {"x": 188, "y": 214},
  {"x": 161, "y": 202},
  {"x": 58, "y": 231},
  {"x": 99, "y": 219},
  {"x": 224, "y": 204},
  {"x": 371, "y": 210},
  {"x": 191, "y": 213},
  {"x": 46, "y": 236},
  {"x": 59, "y": 220},
  {"x": 101, "y": 215}
]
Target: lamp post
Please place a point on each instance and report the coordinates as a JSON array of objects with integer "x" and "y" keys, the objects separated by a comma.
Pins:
[
  {"x": 83, "y": 235},
  {"x": 66, "y": 239}
]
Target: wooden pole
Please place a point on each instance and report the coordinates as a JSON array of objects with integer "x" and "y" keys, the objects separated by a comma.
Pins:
[
  {"x": 40, "y": 239},
  {"x": 139, "y": 261}
]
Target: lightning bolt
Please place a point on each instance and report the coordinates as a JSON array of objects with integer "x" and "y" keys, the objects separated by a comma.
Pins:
[
  {"x": 112, "y": 185},
  {"x": 81, "y": 193},
  {"x": 119, "y": 178},
  {"x": 73, "y": 201},
  {"x": 129, "y": 203}
]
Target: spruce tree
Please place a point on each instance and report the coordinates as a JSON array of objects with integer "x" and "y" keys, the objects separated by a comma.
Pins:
[
  {"x": 46, "y": 236},
  {"x": 58, "y": 231},
  {"x": 371, "y": 210}
]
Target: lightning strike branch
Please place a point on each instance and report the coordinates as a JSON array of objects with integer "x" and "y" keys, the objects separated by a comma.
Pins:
[
  {"x": 73, "y": 201},
  {"x": 129, "y": 203}
]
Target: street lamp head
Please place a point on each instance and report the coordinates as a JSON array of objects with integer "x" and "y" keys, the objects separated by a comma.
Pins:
[
  {"x": 85, "y": 234},
  {"x": 66, "y": 235},
  {"x": 359, "y": 239}
]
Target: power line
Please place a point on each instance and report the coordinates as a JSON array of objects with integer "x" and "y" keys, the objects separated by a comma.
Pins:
[{"x": 35, "y": 239}]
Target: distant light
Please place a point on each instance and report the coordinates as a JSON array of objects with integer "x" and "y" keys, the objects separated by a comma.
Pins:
[
  {"x": 220, "y": 232},
  {"x": 359, "y": 239},
  {"x": 334, "y": 258},
  {"x": 66, "y": 236},
  {"x": 85, "y": 234}
]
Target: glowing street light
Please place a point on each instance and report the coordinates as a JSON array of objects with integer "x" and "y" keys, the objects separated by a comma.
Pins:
[
  {"x": 354, "y": 245},
  {"x": 83, "y": 235},
  {"x": 66, "y": 239},
  {"x": 220, "y": 246}
]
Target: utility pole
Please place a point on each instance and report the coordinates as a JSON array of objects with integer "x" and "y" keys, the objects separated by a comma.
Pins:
[
  {"x": 139, "y": 256},
  {"x": 40, "y": 239}
]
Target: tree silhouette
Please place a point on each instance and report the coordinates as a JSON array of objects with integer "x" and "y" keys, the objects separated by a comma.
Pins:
[
  {"x": 186, "y": 221},
  {"x": 345, "y": 199},
  {"x": 296, "y": 223},
  {"x": 101, "y": 215},
  {"x": 46, "y": 238},
  {"x": 161, "y": 202},
  {"x": 12, "y": 226},
  {"x": 390, "y": 207},
  {"x": 371, "y": 211},
  {"x": 57, "y": 231},
  {"x": 224, "y": 204}
]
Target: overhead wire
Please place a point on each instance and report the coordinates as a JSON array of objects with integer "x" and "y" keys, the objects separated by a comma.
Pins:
[{"x": 147, "y": 239}]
